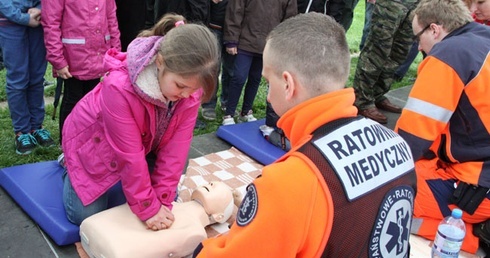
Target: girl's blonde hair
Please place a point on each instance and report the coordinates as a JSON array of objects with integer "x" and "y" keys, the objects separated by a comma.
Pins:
[{"x": 188, "y": 50}]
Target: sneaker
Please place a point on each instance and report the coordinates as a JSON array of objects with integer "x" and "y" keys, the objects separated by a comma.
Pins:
[
  {"x": 24, "y": 143},
  {"x": 208, "y": 114},
  {"x": 249, "y": 117},
  {"x": 43, "y": 137},
  {"x": 228, "y": 120},
  {"x": 47, "y": 83},
  {"x": 223, "y": 106}
]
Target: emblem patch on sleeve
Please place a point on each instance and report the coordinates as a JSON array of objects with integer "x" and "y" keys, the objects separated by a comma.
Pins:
[
  {"x": 248, "y": 207},
  {"x": 391, "y": 231}
]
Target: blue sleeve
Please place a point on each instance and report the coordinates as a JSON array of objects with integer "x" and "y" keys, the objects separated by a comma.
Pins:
[{"x": 13, "y": 13}]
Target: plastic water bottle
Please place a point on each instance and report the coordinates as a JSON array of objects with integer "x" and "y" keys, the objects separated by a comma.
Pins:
[{"x": 450, "y": 235}]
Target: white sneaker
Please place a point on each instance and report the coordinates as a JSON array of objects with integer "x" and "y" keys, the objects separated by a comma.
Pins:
[
  {"x": 249, "y": 117},
  {"x": 228, "y": 120}
]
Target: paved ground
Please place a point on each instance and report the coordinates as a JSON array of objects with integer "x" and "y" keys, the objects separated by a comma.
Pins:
[{"x": 20, "y": 237}]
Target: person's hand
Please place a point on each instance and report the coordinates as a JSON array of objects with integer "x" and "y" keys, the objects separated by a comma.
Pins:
[
  {"x": 162, "y": 220},
  {"x": 371, "y": 1},
  {"x": 34, "y": 17},
  {"x": 216, "y": 1},
  {"x": 36, "y": 12},
  {"x": 232, "y": 50},
  {"x": 64, "y": 73}
]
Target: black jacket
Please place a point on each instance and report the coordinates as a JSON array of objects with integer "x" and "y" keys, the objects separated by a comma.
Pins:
[
  {"x": 318, "y": 6},
  {"x": 195, "y": 11}
]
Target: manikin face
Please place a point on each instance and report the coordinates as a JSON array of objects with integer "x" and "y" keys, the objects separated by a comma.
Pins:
[
  {"x": 174, "y": 86},
  {"x": 214, "y": 197},
  {"x": 481, "y": 9}
]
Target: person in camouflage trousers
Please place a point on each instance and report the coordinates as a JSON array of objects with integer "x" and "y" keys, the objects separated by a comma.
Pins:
[{"x": 386, "y": 47}]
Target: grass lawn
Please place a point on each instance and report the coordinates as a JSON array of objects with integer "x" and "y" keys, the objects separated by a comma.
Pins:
[{"x": 8, "y": 157}]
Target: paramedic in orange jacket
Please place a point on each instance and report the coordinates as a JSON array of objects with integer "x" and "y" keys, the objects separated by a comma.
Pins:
[
  {"x": 346, "y": 176},
  {"x": 446, "y": 120}
]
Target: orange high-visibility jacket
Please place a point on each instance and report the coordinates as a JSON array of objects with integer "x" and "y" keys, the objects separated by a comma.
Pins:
[
  {"x": 448, "y": 109},
  {"x": 289, "y": 211}
]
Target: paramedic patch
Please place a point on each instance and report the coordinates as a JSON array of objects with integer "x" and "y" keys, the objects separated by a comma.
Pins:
[
  {"x": 391, "y": 231},
  {"x": 365, "y": 155},
  {"x": 248, "y": 207}
]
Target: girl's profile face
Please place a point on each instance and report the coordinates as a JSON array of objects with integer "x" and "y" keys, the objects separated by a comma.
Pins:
[
  {"x": 481, "y": 9},
  {"x": 175, "y": 86}
]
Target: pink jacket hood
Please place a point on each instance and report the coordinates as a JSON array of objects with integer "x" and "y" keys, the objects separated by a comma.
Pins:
[{"x": 142, "y": 68}]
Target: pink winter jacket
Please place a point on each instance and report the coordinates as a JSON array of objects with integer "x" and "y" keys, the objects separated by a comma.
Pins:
[
  {"x": 109, "y": 132},
  {"x": 78, "y": 33}
]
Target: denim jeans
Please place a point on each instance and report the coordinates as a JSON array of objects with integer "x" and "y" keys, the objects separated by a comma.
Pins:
[
  {"x": 247, "y": 68},
  {"x": 412, "y": 54},
  {"x": 76, "y": 212},
  {"x": 367, "y": 22},
  {"x": 24, "y": 57}
]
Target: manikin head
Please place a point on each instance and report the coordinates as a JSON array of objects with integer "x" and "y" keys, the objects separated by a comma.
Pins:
[{"x": 217, "y": 200}]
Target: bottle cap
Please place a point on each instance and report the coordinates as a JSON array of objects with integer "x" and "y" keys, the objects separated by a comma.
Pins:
[{"x": 457, "y": 213}]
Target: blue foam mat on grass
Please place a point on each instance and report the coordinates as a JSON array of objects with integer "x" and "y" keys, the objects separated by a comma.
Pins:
[
  {"x": 37, "y": 188},
  {"x": 247, "y": 138}
]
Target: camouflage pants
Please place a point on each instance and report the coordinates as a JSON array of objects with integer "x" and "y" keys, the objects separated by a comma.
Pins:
[{"x": 386, "y": 47}]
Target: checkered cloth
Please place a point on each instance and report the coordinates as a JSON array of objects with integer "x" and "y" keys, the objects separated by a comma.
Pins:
[{"x": 232, "y": 167}]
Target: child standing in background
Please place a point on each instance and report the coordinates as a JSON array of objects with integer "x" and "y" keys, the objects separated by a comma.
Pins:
[
  {"x": 146, "y": 104},
  {"x": 77, "y": 34},
  {"x": 21, "y": 42},
  {"x": 216, "y": 23},
  {"x": 247, "y": 24}
]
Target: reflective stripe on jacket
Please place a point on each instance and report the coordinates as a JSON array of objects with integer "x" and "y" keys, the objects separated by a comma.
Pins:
[
  {"x": 78, "y": 33},
  {"x": 448, "y": 109}
]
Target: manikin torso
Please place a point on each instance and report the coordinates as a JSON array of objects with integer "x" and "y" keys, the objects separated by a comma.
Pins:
[{"x": 117, "y": 232}]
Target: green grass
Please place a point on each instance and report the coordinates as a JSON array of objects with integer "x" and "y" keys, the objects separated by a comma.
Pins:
[{"x": 8, "y": 157}]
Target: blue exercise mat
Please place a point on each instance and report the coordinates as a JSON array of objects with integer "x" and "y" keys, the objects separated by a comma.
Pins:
[
  {"x": 247, "y": 138},
  {"x": 38, "y": 188}
]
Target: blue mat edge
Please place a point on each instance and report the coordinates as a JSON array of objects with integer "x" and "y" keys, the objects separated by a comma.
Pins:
[
  {"x": 62, "y": 232},
  {"x": 59, "y": 229}
]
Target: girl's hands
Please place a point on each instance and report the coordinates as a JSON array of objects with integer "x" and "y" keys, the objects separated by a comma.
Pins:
[{"x": 162, "y": 220}]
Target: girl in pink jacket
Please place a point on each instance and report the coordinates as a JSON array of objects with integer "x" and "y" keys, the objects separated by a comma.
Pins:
[
  {"x": 146, "y": 104},
  {"x": 77, "y": 34}
]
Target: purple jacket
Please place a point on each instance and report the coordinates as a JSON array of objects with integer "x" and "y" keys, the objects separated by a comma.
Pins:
[
  {"x": 78, "y": 33},
  {"x": 109, "y": 132}
]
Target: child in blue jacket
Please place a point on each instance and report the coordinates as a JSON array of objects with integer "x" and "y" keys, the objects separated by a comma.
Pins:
[{"x": 24, "y": 57}]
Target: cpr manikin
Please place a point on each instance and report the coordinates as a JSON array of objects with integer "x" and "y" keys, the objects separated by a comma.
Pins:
[{"x": 117, "y": 232}]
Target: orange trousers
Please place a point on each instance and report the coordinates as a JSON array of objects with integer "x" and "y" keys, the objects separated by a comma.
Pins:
[{"x": 434, "y": 188}]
